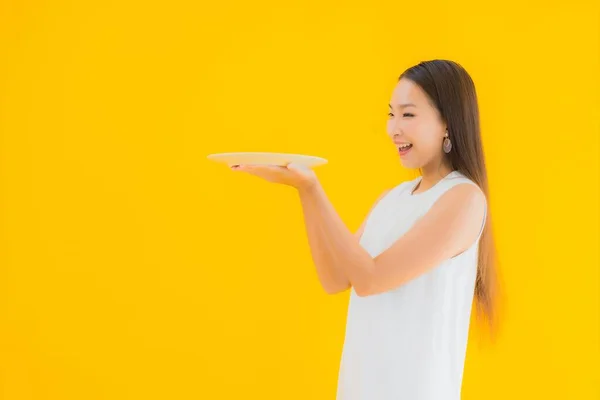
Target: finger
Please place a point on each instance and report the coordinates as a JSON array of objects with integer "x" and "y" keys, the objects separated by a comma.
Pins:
[
  {"x": 267, "y": 168},
  {"x": 296, "y": 167},
  {"x": 244, "y": 167},
  {"x": 241, "y": 167}
]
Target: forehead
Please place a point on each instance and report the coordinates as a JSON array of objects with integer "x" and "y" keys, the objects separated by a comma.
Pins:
[{"x": 405, "y": 92}]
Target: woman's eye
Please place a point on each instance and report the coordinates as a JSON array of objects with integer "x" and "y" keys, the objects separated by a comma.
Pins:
[
  {"x": 408, "y": 115},
  {"x": 390, "y": 115}
]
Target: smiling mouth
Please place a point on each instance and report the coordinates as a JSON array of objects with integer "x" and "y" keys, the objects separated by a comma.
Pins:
[{"x": 403, "y": 148}]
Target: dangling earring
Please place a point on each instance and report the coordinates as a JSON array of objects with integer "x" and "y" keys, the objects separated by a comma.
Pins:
[{"x": 447, "y": 145}]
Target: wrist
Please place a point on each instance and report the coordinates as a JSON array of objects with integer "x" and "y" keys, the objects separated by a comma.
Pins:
[{"x": 309, "y": 187}]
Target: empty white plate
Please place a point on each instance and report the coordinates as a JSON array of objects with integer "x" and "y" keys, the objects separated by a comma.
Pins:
[{"x": 265, "y": 158}]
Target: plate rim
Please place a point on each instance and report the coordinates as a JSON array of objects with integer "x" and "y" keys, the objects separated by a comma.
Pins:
[{"x": 234, "y": 153}]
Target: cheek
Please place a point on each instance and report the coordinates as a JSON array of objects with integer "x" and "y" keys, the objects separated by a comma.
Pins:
[
  {"x": 389, "y": 126},
  {"x": 426, "y": 135}
]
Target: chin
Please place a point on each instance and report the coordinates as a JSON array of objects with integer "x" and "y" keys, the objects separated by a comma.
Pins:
[{"x": 409, "y": 164}]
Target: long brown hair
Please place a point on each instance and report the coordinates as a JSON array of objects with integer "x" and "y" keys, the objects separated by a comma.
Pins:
[{"x": 452, "y": 91}]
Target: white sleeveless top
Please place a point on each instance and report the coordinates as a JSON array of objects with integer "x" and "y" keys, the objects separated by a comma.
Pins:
[{"x": 409, "y": 343}]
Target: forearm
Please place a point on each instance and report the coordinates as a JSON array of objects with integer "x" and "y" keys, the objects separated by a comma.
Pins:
[
  {"x": 339, "y": 258},
  {"x": 332, "y": 279}
]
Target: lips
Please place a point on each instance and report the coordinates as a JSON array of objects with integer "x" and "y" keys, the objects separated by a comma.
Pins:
[{"x": 404, "y": 148}]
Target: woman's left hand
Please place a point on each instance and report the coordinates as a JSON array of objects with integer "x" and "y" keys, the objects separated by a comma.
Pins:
[{"x": 297, "y": 176}]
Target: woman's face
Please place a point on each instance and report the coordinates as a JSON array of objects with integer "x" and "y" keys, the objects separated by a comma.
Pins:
[{"x": 415, "y": 126}]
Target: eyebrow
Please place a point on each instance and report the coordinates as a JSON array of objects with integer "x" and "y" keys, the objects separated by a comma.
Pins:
[{"x": 403, "y": 105}]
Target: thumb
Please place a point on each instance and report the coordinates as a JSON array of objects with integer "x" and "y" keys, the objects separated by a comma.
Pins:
[{"x": 296, "y": 167}]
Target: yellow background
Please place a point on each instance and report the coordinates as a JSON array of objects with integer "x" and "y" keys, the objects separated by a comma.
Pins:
[{"x": 133, "y": 268}]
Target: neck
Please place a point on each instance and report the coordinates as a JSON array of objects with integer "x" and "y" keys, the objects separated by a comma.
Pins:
[{"x": 432, "y": 174}]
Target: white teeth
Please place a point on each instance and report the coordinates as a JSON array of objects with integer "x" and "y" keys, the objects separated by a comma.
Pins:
[{"x": 405, "y": 146}]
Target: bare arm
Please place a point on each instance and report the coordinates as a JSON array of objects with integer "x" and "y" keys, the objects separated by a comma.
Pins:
[
  {"x": 332, "y": 277},
  {"x": 450, "y": 226}
]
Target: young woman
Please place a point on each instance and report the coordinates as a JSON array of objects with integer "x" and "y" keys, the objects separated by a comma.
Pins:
[{"x": 423, "y": 253}]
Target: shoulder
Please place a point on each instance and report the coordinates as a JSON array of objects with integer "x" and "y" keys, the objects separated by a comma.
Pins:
[
  {"x": 463, "y": 204},
  {"x": 463, "y": 195},
  {"x": 455, "y": 220},
  {"x": 458, "y": 188}
]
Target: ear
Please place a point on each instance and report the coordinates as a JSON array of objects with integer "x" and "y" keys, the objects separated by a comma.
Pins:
[{"x": 444, "y": 126}]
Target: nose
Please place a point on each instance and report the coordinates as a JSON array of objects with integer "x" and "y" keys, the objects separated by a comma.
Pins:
[{"x": 394, "y": 129}]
